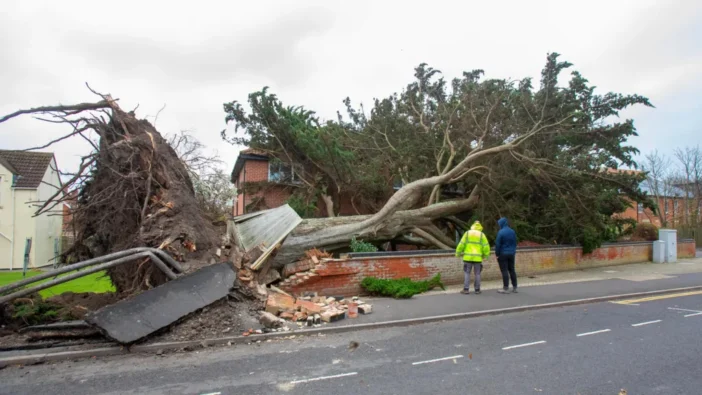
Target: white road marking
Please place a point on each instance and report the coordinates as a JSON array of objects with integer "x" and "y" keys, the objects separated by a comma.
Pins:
[
  {"x": 323, "y": 378},
  {"x": 593, "y": 333},
  {"x": 213, "y": 393},
  {"x": 524, "y": 345},
  {"x": 692, "y": 315},
  {"x": 691, "y": 311},
  {"x": 646, "y": 323},
  {"x": 437, "y": 360}
]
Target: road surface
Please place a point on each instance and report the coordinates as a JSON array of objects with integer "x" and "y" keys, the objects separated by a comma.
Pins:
[{"x": 646, "y": 346}]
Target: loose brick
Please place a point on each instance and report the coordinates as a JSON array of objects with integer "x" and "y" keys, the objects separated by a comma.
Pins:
[
  {"x": 300, "y": 316},
  {"x": 287, "y": 315},
  {"x": 365, "y": 309},
  {"x": 333, "y": 316},
  {"x": 308, "y": 307},
  {"x": 277, "y": 303}
]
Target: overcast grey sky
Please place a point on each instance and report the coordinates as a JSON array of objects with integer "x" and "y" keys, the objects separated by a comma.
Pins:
[{"x": 314, "y": 53}]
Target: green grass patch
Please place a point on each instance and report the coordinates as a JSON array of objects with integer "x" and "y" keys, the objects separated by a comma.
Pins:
[
  {"x": 401, "y": 288},
  {"x": 96, "y": 282}
]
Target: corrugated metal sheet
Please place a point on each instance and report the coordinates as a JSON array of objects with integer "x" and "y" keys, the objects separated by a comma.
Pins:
[
  {"x": 244, "y": 217},
  {"x": 267, "y": 229}
]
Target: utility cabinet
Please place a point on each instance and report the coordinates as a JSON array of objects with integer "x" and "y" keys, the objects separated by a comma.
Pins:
[
  {"x": 670, "y": 238},
  {"x": 659, "y": 251}
]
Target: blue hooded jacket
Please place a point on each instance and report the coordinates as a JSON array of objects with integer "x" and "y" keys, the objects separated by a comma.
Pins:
[{"x": 506, "y": 242}]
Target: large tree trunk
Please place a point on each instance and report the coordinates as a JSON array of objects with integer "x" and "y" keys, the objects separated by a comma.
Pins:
[{"x": 334, "y": 233}]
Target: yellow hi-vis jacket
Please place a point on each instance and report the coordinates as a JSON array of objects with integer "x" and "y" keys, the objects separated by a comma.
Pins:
[{"x": 474, "y": 246}]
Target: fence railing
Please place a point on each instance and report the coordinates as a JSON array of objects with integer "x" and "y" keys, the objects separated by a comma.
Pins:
[{"x": 691, "y": 233}]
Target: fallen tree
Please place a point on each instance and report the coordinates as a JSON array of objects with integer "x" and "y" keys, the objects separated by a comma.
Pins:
[
  {"x": 132, "y": 190},
  {"x": 502, "y": 148}
]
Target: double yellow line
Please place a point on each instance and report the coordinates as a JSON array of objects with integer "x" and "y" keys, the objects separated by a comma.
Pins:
[{"x": 658, "y": 297}]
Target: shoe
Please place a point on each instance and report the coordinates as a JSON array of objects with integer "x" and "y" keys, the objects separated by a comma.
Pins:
[
  {"x": 477, "y": 292},
  {"x": 502, "y": 291},
  {"x": 514, "y": 290},
  {"x": 465, "y": 292}
]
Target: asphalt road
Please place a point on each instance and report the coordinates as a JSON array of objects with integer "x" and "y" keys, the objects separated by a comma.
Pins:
[{"x": 645, "y": 347}]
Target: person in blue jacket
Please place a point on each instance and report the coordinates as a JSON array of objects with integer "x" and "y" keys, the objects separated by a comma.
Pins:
[{"x": 505, "y": 250}]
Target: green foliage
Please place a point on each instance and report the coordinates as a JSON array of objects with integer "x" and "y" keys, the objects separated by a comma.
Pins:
[
  {"x": 362, "y": 246},
  {"x": 303, "y": 208},
  {"x": 402, "y": 288},
  {"x": 34, "y": 311},
  {"x": 553, "y": 186},
  {"x": 645, "y": 232}
]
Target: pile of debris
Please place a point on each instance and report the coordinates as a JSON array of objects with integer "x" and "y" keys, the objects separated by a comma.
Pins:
[{"x": 311, "y": 310}]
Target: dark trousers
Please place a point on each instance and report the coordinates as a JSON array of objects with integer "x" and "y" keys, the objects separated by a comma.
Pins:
[{"x": 506, "y": 263}]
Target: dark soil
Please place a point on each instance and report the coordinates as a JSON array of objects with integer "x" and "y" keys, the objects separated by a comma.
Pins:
[
  {"x": 139, "y": 194},
  {"x": 68, "y": 306},
  {"x": 78, "y": 304},
  {"x": 223, "y": 318}
]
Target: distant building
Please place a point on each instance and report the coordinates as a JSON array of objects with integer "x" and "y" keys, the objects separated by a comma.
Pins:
[
  {"x": 672, "y": 206},
  {"x": 28, "y": 179}
]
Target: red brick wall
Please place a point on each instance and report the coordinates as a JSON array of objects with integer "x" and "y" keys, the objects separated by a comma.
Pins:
[
  {"x": 343, "y": 276},
  {"x": 687, "y": 249}
]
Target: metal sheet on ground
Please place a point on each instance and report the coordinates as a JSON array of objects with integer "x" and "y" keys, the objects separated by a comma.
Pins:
[{"x": 133, "y": 319}]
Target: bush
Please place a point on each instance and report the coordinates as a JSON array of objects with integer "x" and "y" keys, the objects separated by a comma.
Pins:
[
  {"x": 645, "y": 232},
  {"x": 362, "y": 246},
  {"x": 35, "y": 311},
  {"x": 402, "y": 288}
]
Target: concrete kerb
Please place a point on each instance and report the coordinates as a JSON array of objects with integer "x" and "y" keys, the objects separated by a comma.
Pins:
[{"x": 170, "y": 346}]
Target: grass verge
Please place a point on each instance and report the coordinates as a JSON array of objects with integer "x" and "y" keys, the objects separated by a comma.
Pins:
[{"x": 95, "y": 282}]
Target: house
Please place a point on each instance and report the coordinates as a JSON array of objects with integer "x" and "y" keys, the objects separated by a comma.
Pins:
[
  {"x": 255, "y": 167},
  {"x": 672, "y": 206},
  {"x": 27, "y": 179},
  {"x": 270, "y": 184}
]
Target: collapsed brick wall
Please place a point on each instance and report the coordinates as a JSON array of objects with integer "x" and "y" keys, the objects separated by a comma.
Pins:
[{"x": 344, "y": 276}]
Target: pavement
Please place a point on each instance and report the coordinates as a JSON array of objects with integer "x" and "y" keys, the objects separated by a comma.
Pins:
[
  {"x": 646, "y": 346},
  {"x": 550, "y": 288}
]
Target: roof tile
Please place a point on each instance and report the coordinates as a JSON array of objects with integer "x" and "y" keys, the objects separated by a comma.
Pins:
[{"x": 28, "y": 166}]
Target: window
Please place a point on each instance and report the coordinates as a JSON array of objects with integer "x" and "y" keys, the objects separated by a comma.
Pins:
[
  {"x": 280, "y": 172},
  {"x": 641, "y": 208}
]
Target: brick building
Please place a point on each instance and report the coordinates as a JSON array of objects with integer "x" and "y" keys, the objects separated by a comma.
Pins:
[
  {"x": 675, "y": 207},
  {"x": 270, "y": 184},
  {"x": 252, "y": 167}
]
